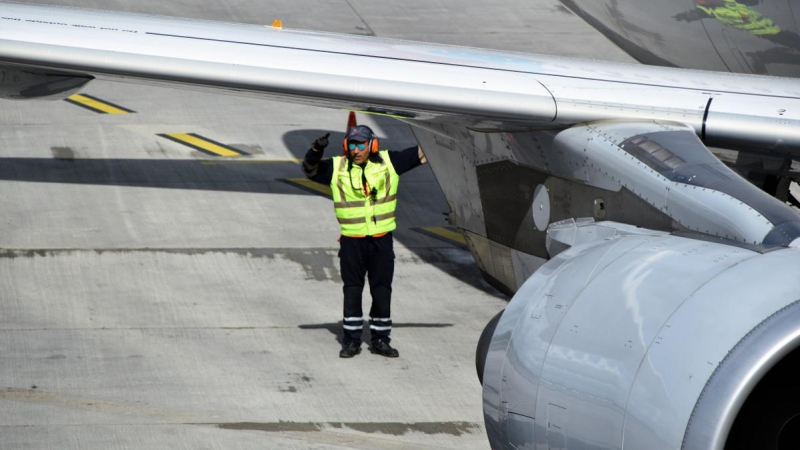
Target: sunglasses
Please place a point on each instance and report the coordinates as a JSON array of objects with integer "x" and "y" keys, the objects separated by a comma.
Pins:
[{"x": 360, "y": 146}]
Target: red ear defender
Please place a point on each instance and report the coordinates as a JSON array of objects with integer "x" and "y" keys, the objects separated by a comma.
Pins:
[
  {"x": 374, "y": 145},
  {"x": 346, "y": 152}
]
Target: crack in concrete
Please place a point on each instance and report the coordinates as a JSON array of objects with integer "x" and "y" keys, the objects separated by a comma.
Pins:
[{"x": 391, "y": 428}]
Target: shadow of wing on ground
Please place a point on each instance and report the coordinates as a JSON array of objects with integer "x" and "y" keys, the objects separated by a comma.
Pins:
[
  {"x": 459, "y": 264},
  {"x": 336, "y": 328},
  {"x": 299, "y": 141},
  {"x": 422, "y": 203},
  {"x": 204, "y": 175}
]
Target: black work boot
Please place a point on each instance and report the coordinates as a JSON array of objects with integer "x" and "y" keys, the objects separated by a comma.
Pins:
[
  {"x": 350, "y": 349},
  {"x": 384, "y": 349}
]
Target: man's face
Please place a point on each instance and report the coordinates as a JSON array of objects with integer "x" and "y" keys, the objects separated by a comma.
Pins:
[{"x": 359, "y": 151}]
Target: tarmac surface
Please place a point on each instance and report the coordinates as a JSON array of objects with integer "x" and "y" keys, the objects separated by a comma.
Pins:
[{"x": 155, "y": 295}]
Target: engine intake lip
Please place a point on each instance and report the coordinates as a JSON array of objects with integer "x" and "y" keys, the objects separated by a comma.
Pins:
[{"x": 737, "y": 376}]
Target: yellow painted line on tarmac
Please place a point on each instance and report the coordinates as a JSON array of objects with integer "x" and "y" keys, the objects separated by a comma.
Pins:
[
  {"x": 446, "y": 234},
  {"x": 311, "y": 186},
  {"x": 96, "y": 105},
  {"x": 204, "y": 144}
]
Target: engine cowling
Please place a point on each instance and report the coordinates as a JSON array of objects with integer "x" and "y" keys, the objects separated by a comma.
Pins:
[{"x": 649, "y": 342}]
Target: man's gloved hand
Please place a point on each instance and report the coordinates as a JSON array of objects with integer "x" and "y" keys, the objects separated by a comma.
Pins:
[{"x": 321, "y": 142}]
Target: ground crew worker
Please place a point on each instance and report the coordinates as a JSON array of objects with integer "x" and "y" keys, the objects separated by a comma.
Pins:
[{"x": 364, "y": 186}]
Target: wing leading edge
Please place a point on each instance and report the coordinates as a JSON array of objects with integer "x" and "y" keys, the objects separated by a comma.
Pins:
[
  {"x": 261, "y": 61},
  {"x": 481, "y": 89}
]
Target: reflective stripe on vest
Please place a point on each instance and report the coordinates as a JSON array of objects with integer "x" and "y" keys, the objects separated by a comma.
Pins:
[{"x": 361, "y": 214}]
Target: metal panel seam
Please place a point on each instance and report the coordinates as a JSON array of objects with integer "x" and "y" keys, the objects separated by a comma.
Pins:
[
  {"x": 553, "y": 97},
  {"x": 705, "y": 117}
]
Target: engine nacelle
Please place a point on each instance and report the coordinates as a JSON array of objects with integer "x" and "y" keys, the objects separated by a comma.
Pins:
[
  {"x": 20, "y": 83},
  {"x": 649, "y": 341}
]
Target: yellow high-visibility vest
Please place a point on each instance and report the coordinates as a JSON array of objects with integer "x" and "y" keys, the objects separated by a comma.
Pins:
[{"x": 365, "y": 213}]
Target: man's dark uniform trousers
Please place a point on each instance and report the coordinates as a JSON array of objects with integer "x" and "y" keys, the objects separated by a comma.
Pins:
[{"x": 369, "y": 255}]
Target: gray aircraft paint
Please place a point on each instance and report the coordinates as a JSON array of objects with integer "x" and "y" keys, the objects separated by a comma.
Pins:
[{"x": 681, "y": 34}]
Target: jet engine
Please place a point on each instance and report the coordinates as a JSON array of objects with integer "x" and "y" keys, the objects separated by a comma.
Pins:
[{"x": 648, "y": 341}]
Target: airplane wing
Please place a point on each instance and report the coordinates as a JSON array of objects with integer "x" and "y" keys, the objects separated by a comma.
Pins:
[{"x": 45, "y": 50}]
